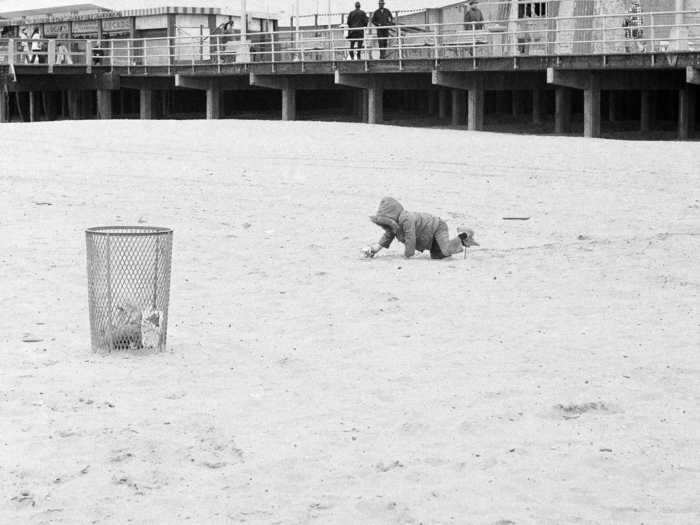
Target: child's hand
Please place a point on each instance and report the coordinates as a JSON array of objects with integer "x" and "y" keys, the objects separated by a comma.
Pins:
[{"x": 371, "y": 251}]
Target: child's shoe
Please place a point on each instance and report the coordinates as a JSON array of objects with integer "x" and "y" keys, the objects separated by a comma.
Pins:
[{"x": 466, "y": 236}]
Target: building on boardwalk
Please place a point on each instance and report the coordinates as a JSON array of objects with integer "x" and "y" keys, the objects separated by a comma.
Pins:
[
  {"x": 193, "y": 32},
  {"x": 569, "y": 26}
]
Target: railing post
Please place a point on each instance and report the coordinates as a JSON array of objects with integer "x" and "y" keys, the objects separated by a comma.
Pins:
[
  {"x": 366, "y": 47},
  {"x": 272, "y": 49},
  {"x": 172, "y": 49},
  {"x": 332, "y": 46},
  {"x": 11, "y": 51},
  {"x": 217, "y": 47},
  {"x": 435, "y": 47},
  {"x": 652, "y": 34},
  {"x": 111, "y": 55},
  {"x": 88, "y": 56},
  {"x": 51, "y": 57},
  {"x": 398, "y": 37},
  {"x": 171, "y": 53}
]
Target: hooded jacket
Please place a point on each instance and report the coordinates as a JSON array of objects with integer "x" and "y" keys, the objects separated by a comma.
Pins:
[{"x": 416, "y": 230}]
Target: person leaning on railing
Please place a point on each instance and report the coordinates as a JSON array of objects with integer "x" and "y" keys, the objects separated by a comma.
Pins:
[
  {"x": 356, "y": 19},
  {"x": 382, "y": 18},
  {"x": 62, "y": 51},
  {"x": 98, "y": 53}
]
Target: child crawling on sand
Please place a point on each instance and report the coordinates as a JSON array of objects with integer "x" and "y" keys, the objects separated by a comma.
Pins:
[{"x": 418, "y": 231}]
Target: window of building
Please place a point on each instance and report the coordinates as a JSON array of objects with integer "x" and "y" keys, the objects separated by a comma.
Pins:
[{"x": 532, "y": 9}]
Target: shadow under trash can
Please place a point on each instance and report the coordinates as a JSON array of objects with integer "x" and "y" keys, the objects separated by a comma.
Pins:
[{"x": 128, "y": 270}]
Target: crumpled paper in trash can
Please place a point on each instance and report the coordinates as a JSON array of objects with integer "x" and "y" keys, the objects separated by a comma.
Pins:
[
  {"x": 151, "y": 327},
  {"x": 126, "y": 331}
]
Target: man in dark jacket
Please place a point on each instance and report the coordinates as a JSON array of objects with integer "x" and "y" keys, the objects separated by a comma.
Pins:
[
  {"x": 356, "y": 18},
  {"x": 418, "y": 231},
  {"x": 382, "y": 18},
  {"x": 473, "y": 17}
]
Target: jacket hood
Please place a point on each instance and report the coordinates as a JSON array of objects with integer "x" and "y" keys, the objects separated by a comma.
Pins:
[{"x": 388, "y": 213}]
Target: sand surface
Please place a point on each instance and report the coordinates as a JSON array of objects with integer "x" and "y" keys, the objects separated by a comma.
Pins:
[{"x": 550, "y": 377}]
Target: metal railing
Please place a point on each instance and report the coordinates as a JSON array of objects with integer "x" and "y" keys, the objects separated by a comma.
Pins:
[{"x": 657, "y": 32}]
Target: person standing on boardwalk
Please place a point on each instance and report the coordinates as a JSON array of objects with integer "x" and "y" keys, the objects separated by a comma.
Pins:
[
  {"x": 382, "y": 18},
  {"x": 633, "y": 30},
  {"x": 36, "y": 46},
  {"x": 26, "y": 53},
  {"x": 356, "y": 19},
  {"x": 473, "y": 17}
]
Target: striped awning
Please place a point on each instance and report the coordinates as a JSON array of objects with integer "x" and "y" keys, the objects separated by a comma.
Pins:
[{"x": 170, "y": 10}]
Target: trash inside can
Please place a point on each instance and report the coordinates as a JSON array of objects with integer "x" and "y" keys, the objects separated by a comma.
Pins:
[{"x": 128, "y": 270}]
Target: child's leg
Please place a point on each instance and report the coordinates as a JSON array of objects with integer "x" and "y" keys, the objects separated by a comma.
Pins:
[
  {"x": 435, "y": 251},
  {"x": 443, "y": 246}
]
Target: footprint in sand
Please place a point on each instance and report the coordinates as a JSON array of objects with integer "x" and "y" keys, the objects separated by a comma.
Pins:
[
  {"x": 25, "y": 499},
  {"x": 380, "y": 467},
  {"x": 120, "y": 455},
  {"x": 176, "y": 395},
  {"x": 381, "y": 511},
  {"x": 414, "y": 428},
  {"x": 214, "y": 465},
  {"x": 467, "y": 427},
  {"x": 128, "y": 482},
  {"x": 319, "y": 506}
]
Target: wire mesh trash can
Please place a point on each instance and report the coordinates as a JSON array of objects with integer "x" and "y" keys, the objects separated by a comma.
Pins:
[{"x": 128, "y": 270}]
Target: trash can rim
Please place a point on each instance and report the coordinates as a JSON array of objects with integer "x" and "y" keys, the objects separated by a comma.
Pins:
[{"x": 128, "y": 230}]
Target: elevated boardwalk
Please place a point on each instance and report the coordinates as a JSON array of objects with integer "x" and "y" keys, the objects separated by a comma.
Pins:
[{"x": 459, "y": 67}]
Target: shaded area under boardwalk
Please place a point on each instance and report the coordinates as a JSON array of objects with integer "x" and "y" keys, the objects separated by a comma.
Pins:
[{"x": 583, "y": 94}]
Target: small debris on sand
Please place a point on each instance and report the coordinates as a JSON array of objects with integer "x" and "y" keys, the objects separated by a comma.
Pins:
[{"x": 576, "y": 410}]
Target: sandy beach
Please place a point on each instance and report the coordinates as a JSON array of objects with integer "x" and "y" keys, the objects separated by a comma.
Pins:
[{"x": 549, "y": 377}]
